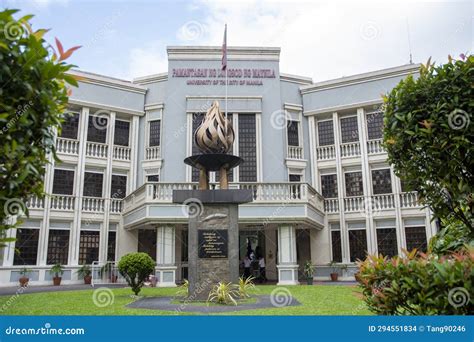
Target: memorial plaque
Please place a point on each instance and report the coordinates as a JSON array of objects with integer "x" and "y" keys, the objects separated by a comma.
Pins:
[{"x": 212, "y": 243}]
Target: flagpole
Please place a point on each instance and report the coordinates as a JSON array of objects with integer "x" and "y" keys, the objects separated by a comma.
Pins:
[{"x": 226, "y": 81}]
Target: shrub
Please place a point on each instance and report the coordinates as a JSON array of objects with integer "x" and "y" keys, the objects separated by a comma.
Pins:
[
  {"x": 135, "y": 268},
  {"x": 223, "y": 293},
  {"x": 454, "y": 236},
  {"x": 246, "y": 285},
  {"x": 183, "y": 289},
  {"x": 419, "y": 285}
]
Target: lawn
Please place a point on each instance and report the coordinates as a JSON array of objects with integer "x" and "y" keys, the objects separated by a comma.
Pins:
[{"x": 315, "y": 300}]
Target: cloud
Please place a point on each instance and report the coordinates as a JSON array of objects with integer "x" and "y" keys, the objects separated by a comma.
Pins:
[{"x": 151, "y": 59}]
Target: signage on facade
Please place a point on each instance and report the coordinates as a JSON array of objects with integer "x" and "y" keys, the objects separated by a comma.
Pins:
[
  {"x": 212, "y": 243},
  {"x": 212, "y": 76}
]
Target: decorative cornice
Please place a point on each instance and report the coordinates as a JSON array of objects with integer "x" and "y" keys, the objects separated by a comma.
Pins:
[
  {"x": 215, "y": 53},
  {"x": 106, "y": 107},
  {"x": 105, "y": 81},
  {"x": 343, "y": 107},
  {"x": 154, "y": 106},
  {"x": 161, "y": 77},
  {"x": 296, "y": 79}
]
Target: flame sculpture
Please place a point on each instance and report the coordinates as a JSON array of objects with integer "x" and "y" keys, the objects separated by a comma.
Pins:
[{"x": 212, "y": 136}]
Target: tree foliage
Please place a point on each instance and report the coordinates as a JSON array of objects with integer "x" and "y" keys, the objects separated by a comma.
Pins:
[
  {"x": 33, "y": 97},
  {"x": 135, "y": 268},
  {"x": 429, "y": 136}
]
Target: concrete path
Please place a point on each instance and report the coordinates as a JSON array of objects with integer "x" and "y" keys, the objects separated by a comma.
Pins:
[{"x": 6, "y": 291}]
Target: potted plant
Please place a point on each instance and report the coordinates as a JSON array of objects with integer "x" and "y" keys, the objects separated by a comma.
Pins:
[
  {"x": 308, "y": 271},
  {"x": 57, "y": 270},
  {"x": 335, "y": 270},
  {"x": 24, "y": 277},
  {"x": 108, "y": 269},
  {"x": 85, "y": 272}
]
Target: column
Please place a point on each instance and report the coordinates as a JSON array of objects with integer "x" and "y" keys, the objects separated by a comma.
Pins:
[
  {"x": 165, "y": 256},
  {"x": 134, "y": 146},
  {"x": 313, "y": 158},
  {"x": 44, "y": 232},
  {"x": 398, "y": 211},
  {"x": 74, "y": 237},
  {"x": 287, "y": 264}
]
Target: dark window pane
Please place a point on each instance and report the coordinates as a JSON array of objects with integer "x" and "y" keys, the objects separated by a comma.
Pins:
[
  {"x": 147, "y": 242},
  {"x": 357, "y": 244},
  {"x": 349, "y": 129},
  {"x": 88, "y": 247},
  {"x": 97, "y": 130},
  {"x": 155, "y": 130},
  {"x": 248, "y": 148},
  {"x": 26, "y": 246},
  {"x": 93, "y": 184},
  {"x": 329, "y": 186},
  {"x": 387, "y": 242},
  {"x": 184, "y": 245},
  {"x": 58, "y": 247},
  {"x": 295, "y": 178},
  {"x": 63, "y": 182},
  {"x": 336, "y": 245},
  {"x": 118, "y": 188},
  {"x": 326, "y": 133},
  {"x": 375, "y": 126},
  {"x": 292, "y": 131},
  {"x": 416, "y": 238},
  {"x": 70, "y": 126},
  {"x": 153, "y": 178},
  {"x": 354, "y": 186},
  {"x": 111, "y": 246},
  {"x": 122, "y": 132},
  {"x": 197, "y": 119},
  {"x": 381, "y": 181}
]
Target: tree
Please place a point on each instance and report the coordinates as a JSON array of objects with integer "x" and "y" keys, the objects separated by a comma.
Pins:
[
  {"x": 135, "y": 268},
  {"x": 33, "y": 98},
  {"x": 429, "y": 137}
]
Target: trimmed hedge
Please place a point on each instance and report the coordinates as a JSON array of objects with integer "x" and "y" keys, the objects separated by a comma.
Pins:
[{"x": 135, "y": 268}]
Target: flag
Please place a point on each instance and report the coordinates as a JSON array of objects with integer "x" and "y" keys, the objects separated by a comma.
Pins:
[{"x": 224, "y": 50}]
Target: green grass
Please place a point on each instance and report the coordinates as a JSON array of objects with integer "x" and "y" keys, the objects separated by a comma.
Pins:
[{"x": 315, "y": 300}]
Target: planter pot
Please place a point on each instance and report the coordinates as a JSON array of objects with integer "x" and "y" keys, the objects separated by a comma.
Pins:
[
  {"x": 24, "y": 281},
  {"x": 334, "y": 276},
  {"x": 87, "y": 280},
  {"x": 57, "y": 281},
  {"x": 309, "y": 281}
]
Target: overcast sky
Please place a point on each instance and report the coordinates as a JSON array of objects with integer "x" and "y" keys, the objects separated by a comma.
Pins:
[{"x": 318, "y": 39}]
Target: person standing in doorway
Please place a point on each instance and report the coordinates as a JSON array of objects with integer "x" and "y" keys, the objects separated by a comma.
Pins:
[
  {"x": 247, "y": 264},
  {"x": 261, "y": 265}
]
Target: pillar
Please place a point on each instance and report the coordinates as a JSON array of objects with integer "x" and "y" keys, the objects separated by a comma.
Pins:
[
  {"x": 287, "y": 264},
  {"x": 165, "y": 256}
]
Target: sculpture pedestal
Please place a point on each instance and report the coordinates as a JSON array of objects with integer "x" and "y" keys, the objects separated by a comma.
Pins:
[{"x": 213, "y": 237}]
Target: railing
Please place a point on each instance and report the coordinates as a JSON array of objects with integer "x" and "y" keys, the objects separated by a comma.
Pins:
[
  {"x": 116, "y": 205},
  {"x": 152, "y": 153},
  {"x": 331, "y": 205},
  {"x": 262, "y": 192},
  {"x": 106, "y": 273},
  {"x": 121, "y": 152},
  {"x": 381, "y": 202},
  {"x": 351, "y": 149},
  {"x": 325, "y": 152},
  {"x": 354, "y": 204},
  {"x": 97, "y": 150},
  {"x": 409, "y": 200},
  {"x": 62, "y": 202},
  {"x": 67, "y": 146},
  {"x": 375, "y": 146},
  {"x": 35, "y": 202},
  {"x": 295, "y": 152},
  {"x": 93, "y": 204}
]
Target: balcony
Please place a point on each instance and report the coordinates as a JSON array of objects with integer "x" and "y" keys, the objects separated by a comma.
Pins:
[
  {"x": 295, "y": 152},
  {"x": 375, "y": 146},
  {"x": 351, "y": 149},
  {"x": 152, "y": 153},
  {"x": 331, "y": 205},
  {"x": 275, "y": 202},
  {"x": 409, "y": 199},
  {"x": 67, "y": 203},
  {"x": 121, "y": 153},
  {"x": 97, "y": 150},
  {"x": 325, "y": 152},
  {"x": 67, "y": 146}
]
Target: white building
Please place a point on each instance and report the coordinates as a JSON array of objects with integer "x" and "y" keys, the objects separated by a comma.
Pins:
[{"x": 323, "y": 189}]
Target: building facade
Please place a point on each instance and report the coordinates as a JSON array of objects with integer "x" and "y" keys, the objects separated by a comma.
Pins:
[{"x": 323, "y": 190}]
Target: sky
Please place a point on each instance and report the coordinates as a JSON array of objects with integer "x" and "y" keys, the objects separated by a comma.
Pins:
[{"x": 318, "y": 39}]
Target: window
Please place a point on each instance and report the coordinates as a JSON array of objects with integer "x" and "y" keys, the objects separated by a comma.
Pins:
[
  {"x": 97, "y": 129},
  {"x": 381, "y": 181},
  {"x": 58, "y": 246},
  {"x": 26, "y": 245},
  {"x": 336, "y": 242},
  {"x": 357, "y": 244},
  {"x": 122, "y": 132},
  {"x": 197, "y": 119},
  {"x": 292, "y": 131},
  {"x": 295, "y": 178},
  {"x": 111, "y": 246},
  {"x": 153, "y": 178},
  {"x": 63, "y": 182},
  {"x": 329, "y": 186},
  {"x": 416, "y": 238},
  {"x": 349, "y": 129},
  {"x": 70, "y": 126},
  {"x": 354, "y": 185},
  {"x": 387, "y": 241},
  {"x": 155, "y": 130},
  {"x": 118, "y": 188},
  {"x": 248, "y": 148},
  {"x": 325, "y": 133},
  {"x": 88, "y": 247},
  {"x": 93, "y": 184},
  {"x": 184, "y": 245},
  {"x": 375, "y": 125},
  {"x": 147, "y": 242}
]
